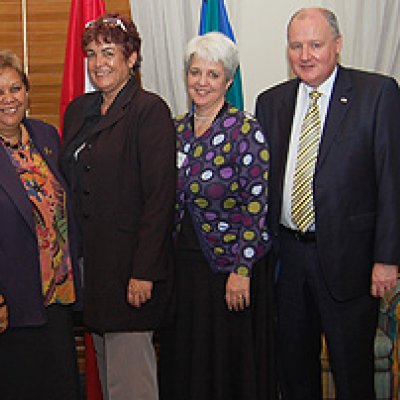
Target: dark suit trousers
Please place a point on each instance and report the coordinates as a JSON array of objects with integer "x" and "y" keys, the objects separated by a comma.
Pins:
[{"x": 305, "y": 310}]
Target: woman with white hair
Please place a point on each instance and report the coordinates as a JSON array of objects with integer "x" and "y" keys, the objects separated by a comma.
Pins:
[{"x": 220, "y": 346}]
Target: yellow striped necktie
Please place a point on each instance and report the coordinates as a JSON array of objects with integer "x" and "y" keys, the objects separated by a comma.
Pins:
[{"x": 302, "y": 192}]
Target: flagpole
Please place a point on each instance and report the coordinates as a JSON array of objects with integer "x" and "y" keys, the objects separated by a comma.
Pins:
[{"x": 214, "y": 17}]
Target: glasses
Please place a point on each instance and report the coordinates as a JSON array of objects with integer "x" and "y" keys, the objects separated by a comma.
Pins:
[{"x": 111, "y": 22}]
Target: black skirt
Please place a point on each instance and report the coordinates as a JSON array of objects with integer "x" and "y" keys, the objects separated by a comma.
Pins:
[
  {"x": 40, "y": 362},
  {"x": 211, "y": 353}
]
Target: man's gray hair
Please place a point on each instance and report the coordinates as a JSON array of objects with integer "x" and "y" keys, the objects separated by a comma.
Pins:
[{"x": 329, "y": 16}]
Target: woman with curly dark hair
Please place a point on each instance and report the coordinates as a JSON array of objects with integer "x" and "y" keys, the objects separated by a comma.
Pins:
[{"x": 119, "y": 157}]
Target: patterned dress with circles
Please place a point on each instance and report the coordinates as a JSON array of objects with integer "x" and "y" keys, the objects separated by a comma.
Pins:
[{"x": 222, "y": 181}]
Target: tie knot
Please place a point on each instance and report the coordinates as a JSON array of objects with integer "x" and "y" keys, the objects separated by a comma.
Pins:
[{"x": 315, "y": 95}]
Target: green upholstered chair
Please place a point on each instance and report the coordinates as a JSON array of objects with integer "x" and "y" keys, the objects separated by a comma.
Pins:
[{"x": 390, "y": 324}]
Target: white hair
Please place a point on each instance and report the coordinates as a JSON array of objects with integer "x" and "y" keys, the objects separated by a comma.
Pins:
[{"x": 215, "y": 47}]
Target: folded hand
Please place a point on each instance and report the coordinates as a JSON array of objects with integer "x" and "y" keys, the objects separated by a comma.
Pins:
[
  {"x": 139, "y": 292},
  {"x": 237, "y": 292}
]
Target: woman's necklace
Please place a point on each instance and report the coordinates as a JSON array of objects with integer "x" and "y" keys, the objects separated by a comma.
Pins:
[
  {"x": 202, "y": 124},
  {"x": 7, "y": 142},
  {"x": 203, "y": 117},
  {"x": 18, "y": 146}
]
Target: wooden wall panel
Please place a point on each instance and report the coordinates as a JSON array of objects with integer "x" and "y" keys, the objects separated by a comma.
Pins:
[
  {"x": 11, "y": 26},
  {"x": 119, "y": 6},
  {"x": 47, "y": 25}
]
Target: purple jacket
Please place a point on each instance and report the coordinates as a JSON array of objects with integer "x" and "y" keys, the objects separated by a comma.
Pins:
[{"x": 20, "y": 280}]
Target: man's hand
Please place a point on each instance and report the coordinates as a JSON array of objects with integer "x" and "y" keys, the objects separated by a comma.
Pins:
[
  {"x": 384, "y": 278},
  {"x": 139, "y": 292}
]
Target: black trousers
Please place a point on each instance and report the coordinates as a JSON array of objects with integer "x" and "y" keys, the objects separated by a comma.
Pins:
[
  {"x": 305, "y": 310},
  {"x": 39, "y": 363}
]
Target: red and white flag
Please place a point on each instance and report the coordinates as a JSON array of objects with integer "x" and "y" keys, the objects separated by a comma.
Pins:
[{"x": 74, "y": 84}]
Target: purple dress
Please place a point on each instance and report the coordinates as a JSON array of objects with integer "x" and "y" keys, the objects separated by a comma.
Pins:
[{"x": 210, "y": 352}]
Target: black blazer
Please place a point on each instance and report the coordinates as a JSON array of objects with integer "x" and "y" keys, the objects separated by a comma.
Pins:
[
  {"x": 128, "y": 184},
  {"x": 20, "y": 280},
  {"x": 357, "y": 177}
]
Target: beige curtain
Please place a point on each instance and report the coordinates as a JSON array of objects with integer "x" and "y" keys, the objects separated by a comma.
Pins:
[
  {"x": 166, "y": 26},
  {"x": 371, "y": 33}
]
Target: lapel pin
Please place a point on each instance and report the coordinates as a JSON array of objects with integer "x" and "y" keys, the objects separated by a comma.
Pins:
[
  {"x": 343, "y": 100},
  {"x": 48, "y": 151}
]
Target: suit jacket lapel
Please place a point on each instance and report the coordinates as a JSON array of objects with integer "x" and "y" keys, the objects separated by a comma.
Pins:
[
  {"x": 285, "y": 118},
  {"x": 47, "y": 150},
  {"x": 340, "y": 102},
  {"x": 115, "y": 113},
  {"x": 12, "y": 184},
  {"x": 10, "y": 180},
  {"x": 90, "y": 104},
  {"x": 279, "y": 144},
  {"x": 117, "y": 110}
]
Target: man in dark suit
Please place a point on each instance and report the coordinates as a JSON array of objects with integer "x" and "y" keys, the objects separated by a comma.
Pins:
[{"x": 334, "y": 208}]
